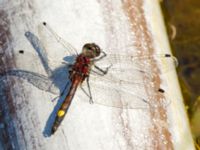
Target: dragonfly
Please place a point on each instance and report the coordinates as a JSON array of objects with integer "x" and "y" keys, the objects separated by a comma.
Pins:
[{"x": 81, "y": 69}]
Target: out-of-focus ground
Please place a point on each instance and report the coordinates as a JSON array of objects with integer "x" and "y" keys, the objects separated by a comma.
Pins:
[{"x": 183, "y": 24}]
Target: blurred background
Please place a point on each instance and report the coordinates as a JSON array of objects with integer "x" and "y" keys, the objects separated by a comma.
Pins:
[{"x": 182, "y": 18}]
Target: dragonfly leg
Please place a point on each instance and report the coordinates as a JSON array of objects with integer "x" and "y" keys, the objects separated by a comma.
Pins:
[
  {"x": 101, "y": 71},
  {"x": 104, "y": 55},
  {"x": 88, "y": 85},
  {"x": 89, "y": 94}
]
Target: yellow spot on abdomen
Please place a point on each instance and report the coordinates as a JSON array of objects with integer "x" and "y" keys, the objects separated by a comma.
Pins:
[{"x": 61, "y": 113}]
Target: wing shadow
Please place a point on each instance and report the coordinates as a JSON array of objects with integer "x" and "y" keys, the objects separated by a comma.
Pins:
[
  {"x": 58, "y": 76},
  {"x": 55, "y": 81}
]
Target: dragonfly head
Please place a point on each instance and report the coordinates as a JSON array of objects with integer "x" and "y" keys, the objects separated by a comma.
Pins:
[{"x": 91, "y": 50}]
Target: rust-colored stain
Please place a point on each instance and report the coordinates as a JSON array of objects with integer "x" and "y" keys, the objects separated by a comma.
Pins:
[
  {"x": 107, "y": 9},
  {"x": 160, "y": 135}
]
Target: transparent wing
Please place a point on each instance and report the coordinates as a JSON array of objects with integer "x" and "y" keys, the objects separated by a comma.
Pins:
[
  {"x": 139, "y": 62},
  {"x": 28, "y": 66},
  {"x": 120, "y": 95},
  {"x": 40, "y": 81},
  {"x": 128, "y": 69},
  {"x": 34, "y": 59},
  {"x": 124, "y": 85},
  {"x": 47, "y": 47},
  {"x": 130, "y": 73},
  {"x": 65, "y": 44}
]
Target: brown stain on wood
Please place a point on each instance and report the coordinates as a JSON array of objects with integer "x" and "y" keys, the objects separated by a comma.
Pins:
[
  {"x": 15, "y": 129},
  {"x": 6, "y": 105},
  {"x": 107, "y": 10},
  {"x": 160, "y": 135}
]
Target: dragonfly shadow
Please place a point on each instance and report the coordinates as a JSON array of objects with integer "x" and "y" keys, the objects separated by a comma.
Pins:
[
  {"x": 55, "y": 82},
  {"x": 47, "y": 132},
  {"x": 69, "y": 59},
  {"x": 59, "y": 77}
]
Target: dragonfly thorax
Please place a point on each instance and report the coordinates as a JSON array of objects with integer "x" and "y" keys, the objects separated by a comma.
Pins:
[
  {"x": 82, "y": 65},
  {"x": 91, "y": 50}
]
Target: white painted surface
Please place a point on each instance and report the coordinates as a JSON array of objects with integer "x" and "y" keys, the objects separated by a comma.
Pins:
[{"x": 87, "y": 126}]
